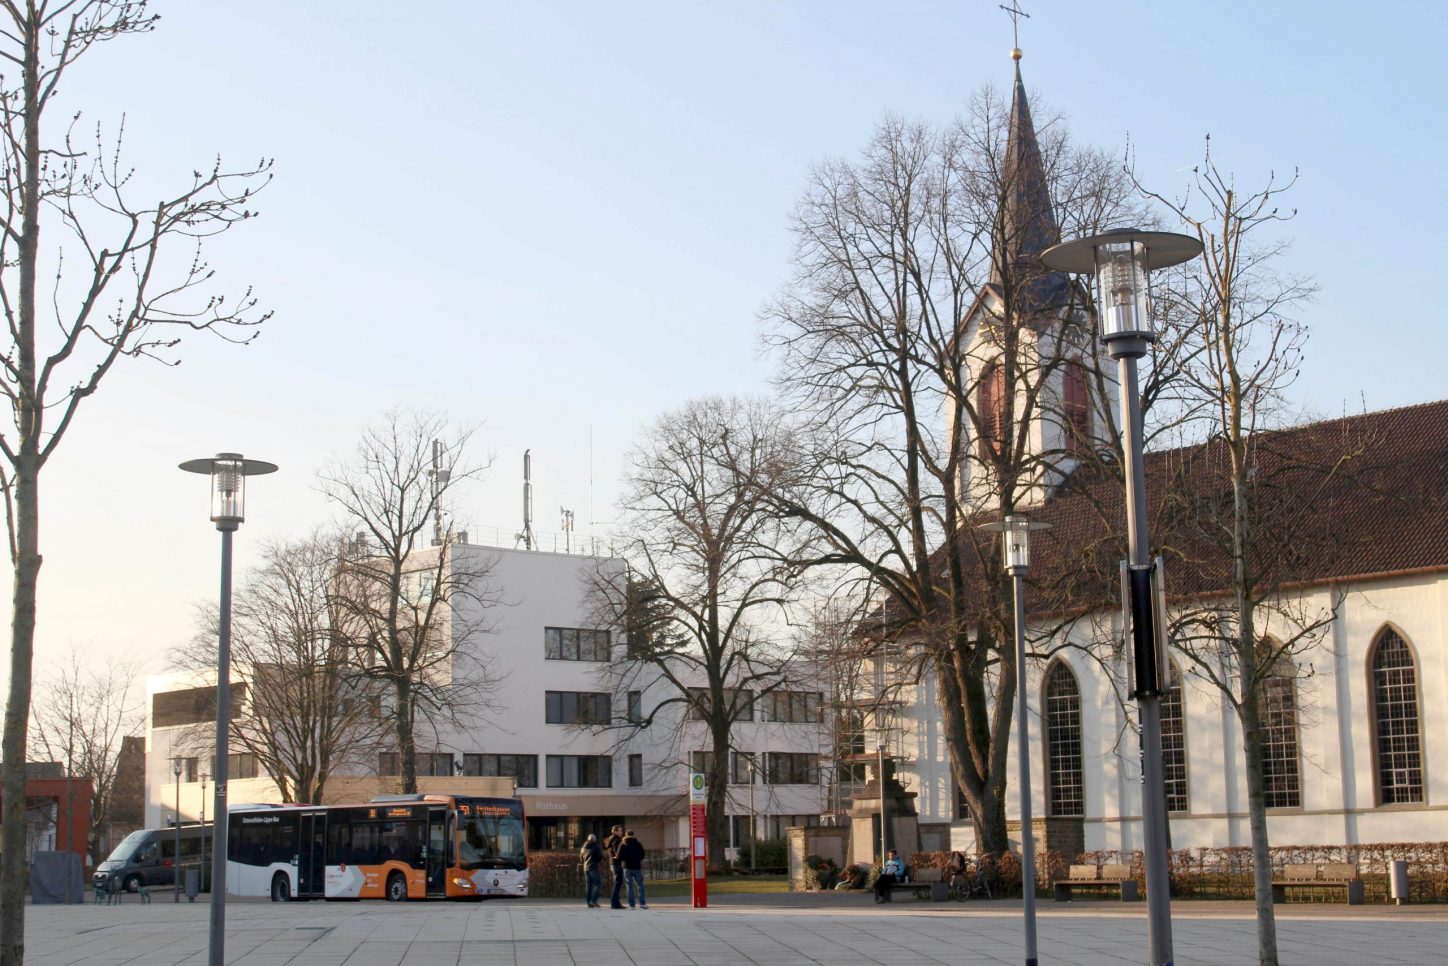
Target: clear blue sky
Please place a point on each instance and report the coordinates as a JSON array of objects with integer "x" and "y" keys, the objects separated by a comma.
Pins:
[{"x": 553, "y": 218}]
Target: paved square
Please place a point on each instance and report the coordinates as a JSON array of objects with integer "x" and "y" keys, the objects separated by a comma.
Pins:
[{"x": 825, "y": 929}]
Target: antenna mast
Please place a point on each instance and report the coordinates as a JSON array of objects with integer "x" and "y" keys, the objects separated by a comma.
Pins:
[
  {"x": 526, "y": 536},
  {"x": 440, "y": 478}
]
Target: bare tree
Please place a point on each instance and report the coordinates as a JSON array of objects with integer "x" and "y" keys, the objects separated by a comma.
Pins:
[
  {"x": 130, "y": 283},
  {"x": 704, "y": 591},
  {"x": 1249, "y": 498},
  {"x": 81, "y": 716},
  {"x": 411, "y": 600},
  {"x": 307, "y": 713},
  {"x": 927, "y": 343}
]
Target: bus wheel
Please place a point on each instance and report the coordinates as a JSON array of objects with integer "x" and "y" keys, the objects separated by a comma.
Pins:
[
  {"x": 396, "y": 887},
  {"x": 281, "y": 888},
  {"x": 133, "y": 883}
]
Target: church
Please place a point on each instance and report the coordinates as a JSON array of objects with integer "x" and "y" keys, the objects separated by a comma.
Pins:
[{"x": 1358, "y": 589}]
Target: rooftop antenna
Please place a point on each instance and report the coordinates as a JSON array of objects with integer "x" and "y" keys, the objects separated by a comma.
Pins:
[
  {"x": 526, "y": 536},
  {"x": 440, "y": 477}
]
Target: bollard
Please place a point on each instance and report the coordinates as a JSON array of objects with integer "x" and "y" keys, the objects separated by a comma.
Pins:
[
  {"x": 1399, "y": 881},
  {"x": 193, "y": 884}
]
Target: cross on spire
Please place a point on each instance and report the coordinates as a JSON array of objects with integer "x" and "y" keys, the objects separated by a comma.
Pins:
[{"x": 1016, "y": 13}]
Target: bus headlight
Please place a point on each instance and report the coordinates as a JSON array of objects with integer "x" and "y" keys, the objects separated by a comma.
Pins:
[{"x": 462, "y": 883}]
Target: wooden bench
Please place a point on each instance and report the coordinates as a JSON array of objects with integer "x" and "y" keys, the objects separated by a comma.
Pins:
[
  {"x": 1321, "y": 875},
  {"x": 1104, "y": 878},
  {"x": 926, "y": 884}
]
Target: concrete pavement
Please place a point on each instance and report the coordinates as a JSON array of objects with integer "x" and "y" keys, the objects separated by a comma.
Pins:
[{"x": 838, "y": 930}]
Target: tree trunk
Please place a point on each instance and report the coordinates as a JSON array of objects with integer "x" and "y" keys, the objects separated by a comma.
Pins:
[
  {"x": 1257, "y": 822},
  {"x": 406, "y": 747},
  {"x": 716, "y": 818}
]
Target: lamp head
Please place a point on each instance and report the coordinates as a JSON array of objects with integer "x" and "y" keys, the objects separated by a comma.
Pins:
[
  {"x": 228, "y": 472},
  {"x": 1015, "y": 533}
]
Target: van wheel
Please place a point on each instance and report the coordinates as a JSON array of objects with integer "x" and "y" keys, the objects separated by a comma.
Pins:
[
  {"x": 133, "y": 883},
  {"x": 396, "y": 887},
  {"x": 281, "y": 888}
]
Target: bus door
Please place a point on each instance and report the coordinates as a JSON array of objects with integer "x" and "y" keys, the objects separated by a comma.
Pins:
[
  {"x": 311, "y": 854},
  {"x": 437, "y": 852}
]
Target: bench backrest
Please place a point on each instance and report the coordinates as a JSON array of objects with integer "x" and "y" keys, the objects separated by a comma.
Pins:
[
  {"x": 1299, "y": 870},
  {"x": 1339, "y": 871},
  {"x": 928, "y": 875},
  {"x": 1116, "y": 873},
  {"x": 1085, "y": 873}
]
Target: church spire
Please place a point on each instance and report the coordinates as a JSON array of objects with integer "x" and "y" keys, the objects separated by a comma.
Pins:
[{"x": 1026, "y": 224}]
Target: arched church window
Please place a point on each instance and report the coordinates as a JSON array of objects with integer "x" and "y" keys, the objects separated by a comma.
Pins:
[
  {"x": 1075, "y": 407},
  {"x": 1061, "y": 700},
  {"x": 990, "y": 408},
  {"x": 1281, "y": 765},
  {"x": 1395, "y": 719},
  {"x": 1174, "y": 744}
]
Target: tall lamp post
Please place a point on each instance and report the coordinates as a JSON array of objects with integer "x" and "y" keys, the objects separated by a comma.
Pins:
[
  {"x": 228, "y": 472},
  {"x": 175, "y": 862},
  {"x": 1015, "y": 532},
  {"x": 201, "y": 873},
  {"x": 1122, "y": 260}
]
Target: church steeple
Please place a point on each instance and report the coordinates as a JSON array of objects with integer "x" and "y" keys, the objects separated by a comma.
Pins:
[{"x": 1026, "y": 222}]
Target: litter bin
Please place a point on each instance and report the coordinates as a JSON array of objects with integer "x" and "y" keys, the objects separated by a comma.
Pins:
[
  {"x": 193, "y": 884},
  {"x": 1399, "y": 881}
]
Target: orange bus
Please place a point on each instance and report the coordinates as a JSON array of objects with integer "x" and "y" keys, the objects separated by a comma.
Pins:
[{"x": 395, "y": 847}]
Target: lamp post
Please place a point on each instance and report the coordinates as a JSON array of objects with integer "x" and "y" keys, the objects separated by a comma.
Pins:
[
  {"x": 176, "y": 883},
  {"x": 1015, "y": 534},
  {"x": 228, "y": 472},
  {"x": 201, "y": 873},
  {"x": 1121, "y": 261},
  {"x": 753, "y": 832}
]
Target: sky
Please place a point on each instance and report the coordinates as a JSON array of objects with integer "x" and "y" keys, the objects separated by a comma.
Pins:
[{"x": 556, "y": 221}]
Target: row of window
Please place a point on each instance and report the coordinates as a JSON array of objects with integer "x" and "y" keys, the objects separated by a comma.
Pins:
[
  {"x": 596, "y": 707},
  {"x": 596, "y": 771},
  {"x": 1397, "y": 735},
  {"x": 991, "y": 413},
  {"x": 238, "y": 765}
]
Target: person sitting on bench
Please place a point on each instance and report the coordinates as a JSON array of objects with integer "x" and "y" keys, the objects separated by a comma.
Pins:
[{"x": 892, "y": 872}]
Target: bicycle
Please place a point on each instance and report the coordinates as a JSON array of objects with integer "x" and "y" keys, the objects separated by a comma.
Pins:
[{"x": 974, "y": 880}]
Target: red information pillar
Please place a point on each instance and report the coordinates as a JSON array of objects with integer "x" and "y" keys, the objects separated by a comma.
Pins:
[{"x": 698, "y": 841}]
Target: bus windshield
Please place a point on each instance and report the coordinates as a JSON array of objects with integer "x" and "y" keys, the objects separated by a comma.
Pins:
[
  {"x": 128, "y": 845},
  {"x": 492, "y": 838}
]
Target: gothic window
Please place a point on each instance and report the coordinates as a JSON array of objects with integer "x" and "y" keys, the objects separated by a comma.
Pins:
[
  {"x": 1281, "y": 768},
  {"x": 1075, "y": 407},
  {"x": 990, "y": 409},
  {"x": 1062, "y": 704},
  {"x": 1395, "y": 720},
  {"x": 1174, "y": 745}
]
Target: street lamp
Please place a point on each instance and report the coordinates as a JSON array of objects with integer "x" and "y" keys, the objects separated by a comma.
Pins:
[
  {"x": 1015, "y": 534},
  {"x": 228, "y": 472},
  {"x": 201, "y": 873},
  {"x": 1121, "y": 261},
  {"x": 176, "y": 877}
]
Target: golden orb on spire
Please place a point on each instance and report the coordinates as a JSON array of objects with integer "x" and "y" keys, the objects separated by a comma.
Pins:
[{"x": 1015, "y": 53}]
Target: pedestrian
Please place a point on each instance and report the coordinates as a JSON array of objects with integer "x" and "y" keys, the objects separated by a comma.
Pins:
[
  {"x": 611, "y": 845},
  {"x": 891, "y": 872},
  {"x": 631, "y": 854},
  {"x": 592, "y": 856}
]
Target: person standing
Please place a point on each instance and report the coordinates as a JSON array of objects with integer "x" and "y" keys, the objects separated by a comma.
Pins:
[
  {"x": 631, "y": 854},
  {"x": 891, "y": 872},
  {"x": 592, "y": 857},
  {"x": 611, "y": 846}
]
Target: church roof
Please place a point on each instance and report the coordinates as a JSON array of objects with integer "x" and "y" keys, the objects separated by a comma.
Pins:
[
  {"x": 1347, "y": 499},
  {"x": 1027, "y": 224}
]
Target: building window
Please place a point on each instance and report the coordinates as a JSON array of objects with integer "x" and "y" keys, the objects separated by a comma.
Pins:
[
  {"x": 389, "y": 763},
  {"x": 575, "y": 644},
  {"x": 580, "y": 771},
  {"x": 635, "y": 771},
  {"x": 240, "y": 765},
  {"x": 702, "y": 763},
  {"x": 1281, "y": 772},
  {"x": 791, "y": 707},
  {"x": 523, "y": 769},
  {"x": 962, "y": 805},
  {"x": 1075, "y": 408},
  {"x": 739, "y": 767},
  {"x": 436, "y": 764},
  {"x": 190, "y": 769},
  {"x": 1395, "y": 717},
  {"x": 990, "y": 409},
  {"x": 740, "y": 703},
  {"x": 577, "y": 707},
  {"x": 635, "y": 707},
  {"x": 791, "y": 768},
  {"x": 1174, "y": 744},
  {"x": 1064, "y": 785}
]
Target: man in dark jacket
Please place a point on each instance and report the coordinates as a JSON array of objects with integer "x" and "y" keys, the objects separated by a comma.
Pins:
[
  {"x": 631, "y": 854},
  {"x": 592, "y": 857},
  {"x": 611, "y": 846}
]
